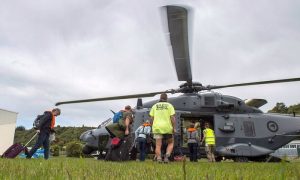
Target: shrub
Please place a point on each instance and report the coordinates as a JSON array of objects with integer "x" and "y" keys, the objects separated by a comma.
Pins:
[
  {"x": 55, "y": 150},
  {"x": 74, "y": 149}
]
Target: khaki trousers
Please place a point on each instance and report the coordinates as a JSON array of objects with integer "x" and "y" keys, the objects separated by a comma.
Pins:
[{"x": 210, "y": 149}]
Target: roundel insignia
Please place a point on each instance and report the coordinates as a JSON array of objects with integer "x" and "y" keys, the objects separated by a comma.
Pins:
[{"x": 272, "y": 126}]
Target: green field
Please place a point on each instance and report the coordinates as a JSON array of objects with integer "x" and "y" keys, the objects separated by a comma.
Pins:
[{"x": 72, "y": 168}]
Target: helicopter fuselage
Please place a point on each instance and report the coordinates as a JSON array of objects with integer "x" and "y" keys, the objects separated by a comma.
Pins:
[{"x": 240, "y": 130}]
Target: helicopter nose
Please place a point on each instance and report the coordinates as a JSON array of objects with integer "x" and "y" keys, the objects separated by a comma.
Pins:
[{"x": 86, "y": 136}]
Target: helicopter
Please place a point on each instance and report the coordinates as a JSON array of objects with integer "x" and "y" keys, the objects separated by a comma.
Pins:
[{"x": 243, "y": 132}]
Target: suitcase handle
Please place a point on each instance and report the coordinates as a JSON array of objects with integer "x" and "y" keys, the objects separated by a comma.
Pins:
[{"x": 31, "y": 139}]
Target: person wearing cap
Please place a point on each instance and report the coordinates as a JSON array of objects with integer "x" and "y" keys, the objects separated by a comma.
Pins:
[
  {"x": 45, "y": 127},
  {"x": 163, "y": 126},
  {"x": 142, "y": 134}
]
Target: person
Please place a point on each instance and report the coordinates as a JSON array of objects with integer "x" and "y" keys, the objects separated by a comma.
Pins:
[
  {"x": 163, "y": 126},
  {"x": 45, "y": 127},
  {"x": 122, "y": 127},
  {"x": 192, "y": 140},
  {"x": 142, "y": 134},
  {"x": 209, "y": 138},
  {"x": 198, "y": 128},
  {"x": 121, "y": 148}
]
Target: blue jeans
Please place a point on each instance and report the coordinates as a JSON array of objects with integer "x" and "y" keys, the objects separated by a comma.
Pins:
[
  {"x": 193, "y": 147},
  {"x": 142, "y": 148},
  {"x": 43, "y": 139}
]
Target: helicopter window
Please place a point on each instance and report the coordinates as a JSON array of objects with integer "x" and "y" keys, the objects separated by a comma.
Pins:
[
  {"x": 209, "y": 101},
  {"x": 249, "y": 128}
]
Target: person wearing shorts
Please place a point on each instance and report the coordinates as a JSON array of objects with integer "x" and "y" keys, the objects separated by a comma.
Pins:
[{"x": 163, "y": 127}]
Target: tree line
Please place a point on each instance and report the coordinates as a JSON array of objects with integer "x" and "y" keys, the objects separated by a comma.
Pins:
[
  {"x": 63, "y": 135},
  {"x": 280, "y": 107}
]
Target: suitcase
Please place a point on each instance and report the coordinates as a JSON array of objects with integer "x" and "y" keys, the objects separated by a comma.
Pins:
[
  {"x": 122, "y": 152},
  {"x": 14, "y": 150}
]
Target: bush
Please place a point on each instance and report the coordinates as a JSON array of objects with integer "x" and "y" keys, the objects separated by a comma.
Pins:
[
  {"x": 55, "y": 150},
  {"x": 74, "y": 149}
]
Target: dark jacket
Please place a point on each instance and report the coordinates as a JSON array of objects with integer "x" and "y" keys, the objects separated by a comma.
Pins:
[{"x": 45, "y": 122}]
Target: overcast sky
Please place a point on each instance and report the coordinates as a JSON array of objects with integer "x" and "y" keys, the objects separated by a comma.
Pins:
[{"x": 52, "y": 51}]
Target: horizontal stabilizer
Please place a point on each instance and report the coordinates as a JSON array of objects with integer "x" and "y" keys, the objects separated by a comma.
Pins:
[{"x": 256, "y": 102}]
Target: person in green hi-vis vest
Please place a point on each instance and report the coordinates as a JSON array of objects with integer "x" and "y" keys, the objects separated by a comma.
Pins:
[{"x": 210, "y": 142}]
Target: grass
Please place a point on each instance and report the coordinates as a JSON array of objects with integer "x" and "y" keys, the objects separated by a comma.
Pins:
[{"x": 73, "y": 168}]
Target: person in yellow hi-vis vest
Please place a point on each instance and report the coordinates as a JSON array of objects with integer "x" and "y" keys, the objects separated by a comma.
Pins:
[{"x": 210, "y": 142}]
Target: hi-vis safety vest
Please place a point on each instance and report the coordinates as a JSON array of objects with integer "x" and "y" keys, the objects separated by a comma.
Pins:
[{"x": 209, "y": 136}]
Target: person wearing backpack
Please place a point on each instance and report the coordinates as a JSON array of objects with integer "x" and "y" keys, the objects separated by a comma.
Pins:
[
  {"x": 121, "y": 137},
  {"x": 142, "y": 134},
  {"x": 44, "y": 126},
  {"x": 192, "y": 140},
  {"x": 121, "y": 128}
]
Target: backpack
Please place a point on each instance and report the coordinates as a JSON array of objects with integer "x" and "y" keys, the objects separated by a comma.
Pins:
[
  {"x": 117, "y": 116},
  {"x": 37, "y": 121}
]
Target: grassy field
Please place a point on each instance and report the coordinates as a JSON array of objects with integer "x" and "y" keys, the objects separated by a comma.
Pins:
[{"x": 72, "y": 168}]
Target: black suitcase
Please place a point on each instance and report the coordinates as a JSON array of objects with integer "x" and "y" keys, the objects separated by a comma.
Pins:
[
  {"x": 122, "y": 152},
  {"x": 15, "y": 149}
]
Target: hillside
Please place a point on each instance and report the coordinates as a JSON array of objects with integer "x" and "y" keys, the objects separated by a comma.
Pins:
[{"x": 63, "y": 134}]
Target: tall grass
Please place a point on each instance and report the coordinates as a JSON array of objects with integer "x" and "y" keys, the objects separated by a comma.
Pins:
[{"x": 72, "y": 168}]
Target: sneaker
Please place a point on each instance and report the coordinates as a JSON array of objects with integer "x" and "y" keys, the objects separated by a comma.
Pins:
[
  {"x": 159, "y": 160},
  {"x": 26, "y": 151},
  {"x": 166, "y": 159}
]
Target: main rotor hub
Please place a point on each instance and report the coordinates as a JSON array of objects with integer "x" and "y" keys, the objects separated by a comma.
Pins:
[{"x": 193, "y": 87}]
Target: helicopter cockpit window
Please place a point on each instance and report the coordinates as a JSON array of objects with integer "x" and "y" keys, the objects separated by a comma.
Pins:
[
  {"x": 209, "y": 101},
  {"x": 249, "y": 129}
]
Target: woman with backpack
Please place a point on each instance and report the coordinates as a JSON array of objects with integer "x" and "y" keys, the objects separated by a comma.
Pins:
[{"x": 142, "y": 135}]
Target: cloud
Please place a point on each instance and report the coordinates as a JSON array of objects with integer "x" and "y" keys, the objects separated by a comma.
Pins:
[{"x": 65, "y": 50}]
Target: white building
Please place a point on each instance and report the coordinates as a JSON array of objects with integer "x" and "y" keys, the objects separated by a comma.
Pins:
[
  {"x": 7, "y": 129},
  {"x": 292, "y": 149}
]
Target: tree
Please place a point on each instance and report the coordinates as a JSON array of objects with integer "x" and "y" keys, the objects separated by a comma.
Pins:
[
  {"x": 279, "y": 108},
  {"x": 294, "y": 109},
  {"x": 20, "y": 128}
]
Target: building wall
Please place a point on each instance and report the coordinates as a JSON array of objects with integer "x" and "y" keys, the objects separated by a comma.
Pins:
[
  {"x": 291, "y": 149},
  {"x": 7, "y": 129}
]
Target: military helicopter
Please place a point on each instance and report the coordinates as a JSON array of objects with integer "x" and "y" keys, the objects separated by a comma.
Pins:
[{"x": 243, "y": 132}]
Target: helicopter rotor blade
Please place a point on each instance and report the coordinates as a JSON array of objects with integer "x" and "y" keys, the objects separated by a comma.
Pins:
[
  {"x": 178, "y": 29},
  {"x": 115, "y": 97},
  {"x": 255, "y": 83}
]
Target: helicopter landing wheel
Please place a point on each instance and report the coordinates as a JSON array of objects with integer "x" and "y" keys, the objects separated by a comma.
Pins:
[
  {"x": 87, "y": 150},
  {"x": 241, "y": 159}
]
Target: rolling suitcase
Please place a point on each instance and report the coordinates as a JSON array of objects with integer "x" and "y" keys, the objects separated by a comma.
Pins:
[{"x": 14, "y": 150}]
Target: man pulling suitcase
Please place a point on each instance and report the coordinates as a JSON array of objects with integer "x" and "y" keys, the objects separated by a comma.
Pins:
[
  {"x": 44, "y": 126},
  {"x": 14, "y": 150}
]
